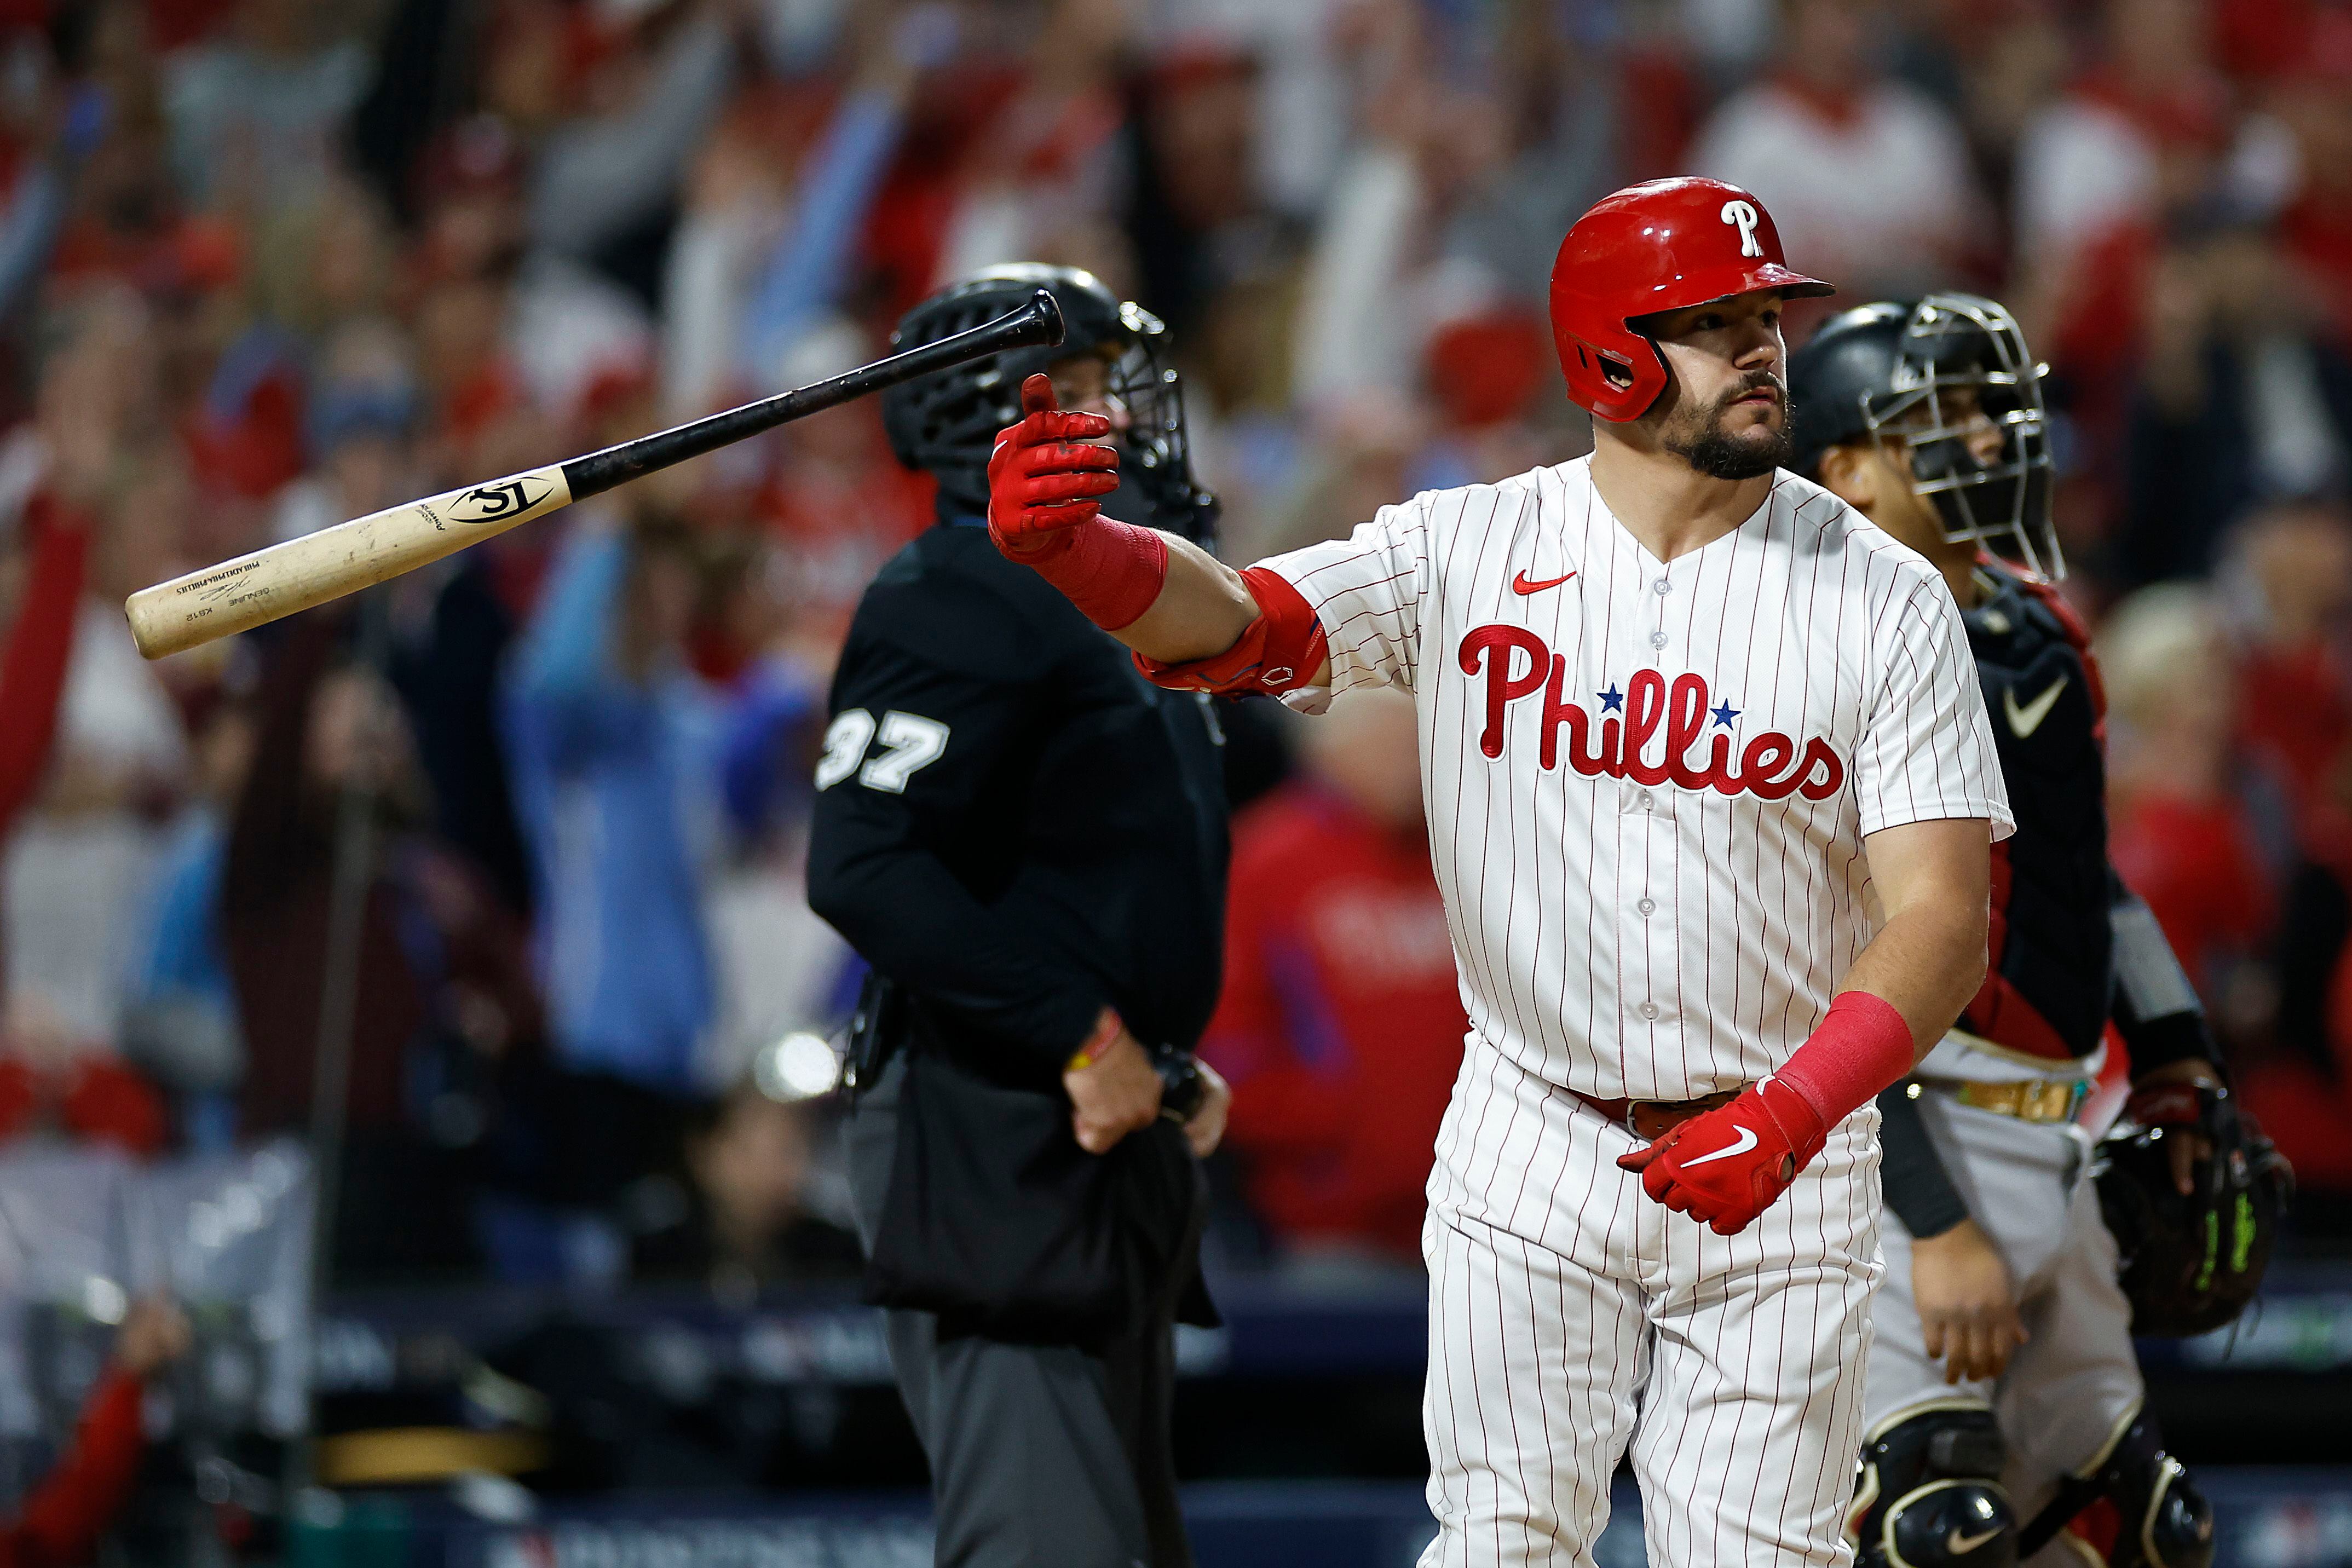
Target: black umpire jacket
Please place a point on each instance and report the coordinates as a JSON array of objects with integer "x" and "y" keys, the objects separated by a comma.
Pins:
[{"x": 1015, "y": 828}]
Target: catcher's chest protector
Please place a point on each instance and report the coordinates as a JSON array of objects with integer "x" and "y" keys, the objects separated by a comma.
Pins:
[{"x": 2049, "y": 938}]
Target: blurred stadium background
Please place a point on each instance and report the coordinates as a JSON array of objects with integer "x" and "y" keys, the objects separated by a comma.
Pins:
[{"x": 512, "y": 847}]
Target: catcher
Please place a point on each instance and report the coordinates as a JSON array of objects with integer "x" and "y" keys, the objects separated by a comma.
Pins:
[{"x": 2004, "y": 1402}]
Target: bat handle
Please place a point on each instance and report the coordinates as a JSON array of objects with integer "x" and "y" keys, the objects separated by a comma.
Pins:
[{"x": 1037, "y": 320}]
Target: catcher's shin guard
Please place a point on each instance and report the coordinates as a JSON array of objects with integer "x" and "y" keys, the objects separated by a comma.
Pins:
[
  {"x": 2135, "y": 1506},
  {"x": 1930, "y": 1495}
]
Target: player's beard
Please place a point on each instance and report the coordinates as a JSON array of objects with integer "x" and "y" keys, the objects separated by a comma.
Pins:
[{"x": 1719, "y": 454}]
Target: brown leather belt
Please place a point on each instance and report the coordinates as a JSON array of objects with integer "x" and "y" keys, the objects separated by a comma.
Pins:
[{"x": 1652, "y": 1119}]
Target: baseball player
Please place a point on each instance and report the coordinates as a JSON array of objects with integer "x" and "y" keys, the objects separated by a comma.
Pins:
[
  {"x": 2002, "y": 1388},
  {"x": 1710, "y": 792}
]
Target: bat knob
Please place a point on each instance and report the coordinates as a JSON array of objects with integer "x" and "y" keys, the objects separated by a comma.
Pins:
[{"x": 1040, "y": 320}]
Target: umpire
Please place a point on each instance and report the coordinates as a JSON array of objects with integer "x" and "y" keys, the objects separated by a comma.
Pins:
[{"x": 1026, "y": 840}]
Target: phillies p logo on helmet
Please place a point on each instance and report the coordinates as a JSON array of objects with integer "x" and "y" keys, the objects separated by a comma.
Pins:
[{"x": 1743, "y": 215}]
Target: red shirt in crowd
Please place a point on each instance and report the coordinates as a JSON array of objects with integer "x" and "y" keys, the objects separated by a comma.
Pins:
[
  {"x": 2195, "y": 864},
  {"x": 62, "y": 1518},
  {"x": 2295, "y": 720},
  {"x": 1341, "y": 1023},
  {"x": 39, "y": 648}
]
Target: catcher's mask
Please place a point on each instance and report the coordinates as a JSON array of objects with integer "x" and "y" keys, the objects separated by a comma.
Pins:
[
  {"x": 947, "y": 422},
  {"x": 1923, "y": 375}
]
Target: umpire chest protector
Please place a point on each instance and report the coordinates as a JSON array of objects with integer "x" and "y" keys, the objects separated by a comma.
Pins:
[{"x": 2051, "y": 939}]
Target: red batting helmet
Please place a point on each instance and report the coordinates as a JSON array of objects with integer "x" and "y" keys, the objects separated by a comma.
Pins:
[{"x": 1656, "y": 247}]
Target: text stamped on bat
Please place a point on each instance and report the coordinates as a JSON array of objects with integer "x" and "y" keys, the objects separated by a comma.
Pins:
[{"x": 213, "y": 585}]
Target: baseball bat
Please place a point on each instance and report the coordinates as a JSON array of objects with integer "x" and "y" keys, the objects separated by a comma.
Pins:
[{"x": 255, "y": 589}]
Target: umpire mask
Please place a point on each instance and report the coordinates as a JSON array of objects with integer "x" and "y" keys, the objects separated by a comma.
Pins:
[
  {"x": 1927, "y": 377},
  {"x": 945, "y": 423}
]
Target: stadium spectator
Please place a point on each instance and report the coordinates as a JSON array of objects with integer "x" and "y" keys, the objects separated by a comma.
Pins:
[
  {"x": 181, "y": 1024},
  {"x": 2150, "y": 113},
  {"x": 442, "y": 988},
  {"x": 91, "y": 739},
  {"x": 614, "y": 747},
  {"x": 54, "y": 539},
  {"x": 741, "y": 1220},
  {"x": 2243, "y": 396},
  {"x": 2314, "y": 102},
  {"x": 57, "y": 1524},
  {"x": 1866, "y": 175},
  {"x": 2287, "y": 579},
  {"x": 2180, "y": 836},
  {"x": 1341, "y": 1025},
  {"x": 614, "y": 742}
]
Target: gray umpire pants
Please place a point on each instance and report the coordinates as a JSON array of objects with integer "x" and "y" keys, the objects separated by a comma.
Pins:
[{"x": 1042, "y": 1456}]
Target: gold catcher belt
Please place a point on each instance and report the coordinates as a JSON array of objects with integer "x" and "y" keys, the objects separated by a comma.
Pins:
[{"x": 2029, "y": 1100}]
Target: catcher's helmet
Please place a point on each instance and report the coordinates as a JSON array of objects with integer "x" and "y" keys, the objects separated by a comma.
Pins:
[
  {"x": 1661, "y": 246},
  {"x": 1889, "y": 371},
  {"x": 947, "y": 422}
]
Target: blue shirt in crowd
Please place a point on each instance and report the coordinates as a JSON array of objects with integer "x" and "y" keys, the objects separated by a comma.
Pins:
[{"x": 616, "y": 784}]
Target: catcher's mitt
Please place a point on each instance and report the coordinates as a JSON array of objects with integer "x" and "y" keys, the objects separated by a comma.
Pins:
[{"x": 2189, "y": 1265}]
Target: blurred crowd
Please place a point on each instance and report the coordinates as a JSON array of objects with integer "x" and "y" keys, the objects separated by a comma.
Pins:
[{"x": 537, "y": 813}]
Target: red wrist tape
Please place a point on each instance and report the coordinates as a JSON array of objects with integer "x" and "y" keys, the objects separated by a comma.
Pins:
[
  {"x": 1280, "y": 651},
  {"x": 1111, "y": 570},
  {"x": 1863, "y": 1046}
]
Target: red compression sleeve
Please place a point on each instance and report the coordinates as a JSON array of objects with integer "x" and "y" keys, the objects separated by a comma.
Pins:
[
  {"x": 1111, "y": 570},
  {"x": 1279, "y": 651},
  {"x": 1860, "y": 1048}
]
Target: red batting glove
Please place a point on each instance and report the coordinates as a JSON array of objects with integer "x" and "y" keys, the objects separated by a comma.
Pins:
[
  {"x": 1725, "y": 1166},
  {"x": 1043, "y": 475},
  {"x": 1042, "y": 481}
]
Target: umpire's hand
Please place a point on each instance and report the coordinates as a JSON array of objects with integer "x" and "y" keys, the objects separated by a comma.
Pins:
[
  {"x": 1113, "y": 1095},
  {"x": 1206, "y": 1128}
]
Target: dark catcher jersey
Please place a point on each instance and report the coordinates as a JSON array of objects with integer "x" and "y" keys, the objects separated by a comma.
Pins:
[
  {"x": 1011, "y": 823},
  {"x": 2052, "y": 945}
]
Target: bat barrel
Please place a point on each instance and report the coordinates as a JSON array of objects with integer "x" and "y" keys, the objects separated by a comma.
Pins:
[
  {"x": 273, "y": 582},
  {"x": 1039, "y": 320},
  {"x": 256, "y": 589}
]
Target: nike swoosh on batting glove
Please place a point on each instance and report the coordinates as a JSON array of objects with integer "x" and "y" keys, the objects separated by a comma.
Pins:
[{"x": 1725, "y": 1166}]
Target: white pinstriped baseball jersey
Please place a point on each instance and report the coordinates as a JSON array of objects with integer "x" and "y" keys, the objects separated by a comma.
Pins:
[{"x": 1648, "y": 784}]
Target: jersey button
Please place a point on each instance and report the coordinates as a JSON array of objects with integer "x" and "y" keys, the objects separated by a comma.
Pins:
[
  {"x": 1648, "y": 801},
  {"x": 1649, "y": 1009},
  {"x": 1662, "y": 587},
  {"x": 1648, "y": 906},
  {"x": 1657, "y": 639}
]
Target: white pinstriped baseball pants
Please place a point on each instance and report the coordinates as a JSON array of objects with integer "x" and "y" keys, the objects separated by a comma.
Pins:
[{"x": 1572, "y": 1321}]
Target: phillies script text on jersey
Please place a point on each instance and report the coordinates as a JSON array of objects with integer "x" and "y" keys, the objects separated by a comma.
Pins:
[{"x": 1764, "y": 767}]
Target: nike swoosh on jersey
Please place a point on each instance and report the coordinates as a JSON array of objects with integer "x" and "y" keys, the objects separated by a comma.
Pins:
[
  {"x": 1960, "y": 1545},
  {"x": 1739, "y": 1145},
  {"x": 2023, "y": 722},
  {"x": 1520, "y": 585}
]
